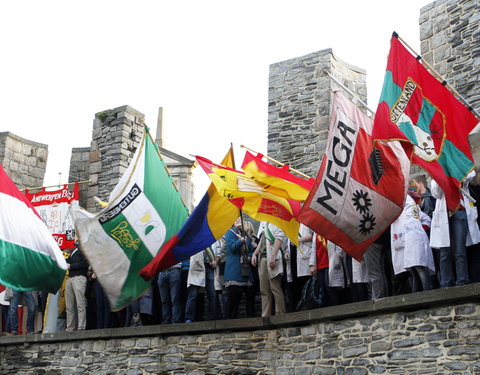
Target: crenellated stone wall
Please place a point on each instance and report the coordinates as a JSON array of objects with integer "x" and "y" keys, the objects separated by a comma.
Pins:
[
  {"x": 24, "y": 161},
  {"x": 434, "y": 332},
  {"x": 300, "y": 97}
]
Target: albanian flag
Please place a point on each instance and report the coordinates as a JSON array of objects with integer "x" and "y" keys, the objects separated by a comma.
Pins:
[{"x": 432, "y": 124}]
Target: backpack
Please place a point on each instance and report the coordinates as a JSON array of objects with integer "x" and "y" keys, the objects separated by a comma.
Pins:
[{"x": 308, "y": 299}]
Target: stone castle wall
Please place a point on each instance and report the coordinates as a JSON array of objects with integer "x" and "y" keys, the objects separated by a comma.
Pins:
[
  {"x": 434, "y": 332},
  {"x": 450, "y": 43},
  {"x": 300, "y": 97},
  {"x": 24, "y": 161}
]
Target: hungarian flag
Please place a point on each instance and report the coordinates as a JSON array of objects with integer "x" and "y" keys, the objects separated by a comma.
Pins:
[
  {"x": 360, "y": 189},
  {"x": 432, "y": 124},
  {"x": 209, "y": 221},
  {"x": 30, "y": 259},
  {"x": 144, "y": 211},
  {"x": 253, "y": 199},
  {"x": 278, "y": 181}
]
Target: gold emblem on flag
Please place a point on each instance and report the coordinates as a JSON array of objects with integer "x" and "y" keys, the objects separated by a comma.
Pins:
[{"x": 122, "y": 234}]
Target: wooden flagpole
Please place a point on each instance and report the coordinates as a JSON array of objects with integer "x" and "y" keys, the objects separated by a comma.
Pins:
[
  {"x": 349, "y": 91},
  {"x": 59, "y": 185},
  {"x": 439, "y": 77},
  {"x": 277, "y": 162}
]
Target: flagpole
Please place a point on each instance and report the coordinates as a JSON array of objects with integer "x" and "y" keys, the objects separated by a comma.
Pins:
[
  {"x": 51, "y": 186},
  {"x": 441, "y": 79},
  {"x": 277, "y": 162},
  {"x": 349, "y": 91},
  {"x": 147, "y": 129}
]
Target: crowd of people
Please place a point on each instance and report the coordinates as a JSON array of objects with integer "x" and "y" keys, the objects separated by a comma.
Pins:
[{"x": 250, "y": 272}]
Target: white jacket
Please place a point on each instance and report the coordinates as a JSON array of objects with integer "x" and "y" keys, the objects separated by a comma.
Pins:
[
  {"x": 410, "y": 244},
  {"x": 277, "y": 234},
  {"x": 439, "y": 232},
  {"x": 196, "y": 273},
  {"x": 304, "y": 251}
]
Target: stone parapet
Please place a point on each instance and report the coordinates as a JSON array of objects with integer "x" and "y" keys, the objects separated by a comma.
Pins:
[{"x": 432, "y": 332}]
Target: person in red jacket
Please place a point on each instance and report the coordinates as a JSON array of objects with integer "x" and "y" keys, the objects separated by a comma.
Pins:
[{"x": 319, "y": 267}]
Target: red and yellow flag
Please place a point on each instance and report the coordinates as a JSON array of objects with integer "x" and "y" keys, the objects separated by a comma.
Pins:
[
  {"x": 253, "y": 199},
  {"x": 278, "y": 181}
]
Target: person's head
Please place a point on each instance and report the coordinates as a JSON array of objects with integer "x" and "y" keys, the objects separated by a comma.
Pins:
[
  {"x": 238, "y": 222},
  {"x": 421, "y": 183},
  {"x": 249, "y": 229}
]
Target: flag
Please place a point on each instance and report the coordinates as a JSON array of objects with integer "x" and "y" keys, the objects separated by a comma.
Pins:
[
  {"x": 359, "y": 189},
  {"x": 54, "y": 207},
  {"x": 29, "y": 256},
  {"x": 253, "y": 199},
  {"x": 278, "y": 181},
  {"x": 420, "y": 111},
  {"x": 209, "y": 221},
  {"x": 144, "y": 211}
]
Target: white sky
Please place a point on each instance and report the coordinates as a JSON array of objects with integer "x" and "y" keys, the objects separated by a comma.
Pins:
[{"x": 205, "y": 62}]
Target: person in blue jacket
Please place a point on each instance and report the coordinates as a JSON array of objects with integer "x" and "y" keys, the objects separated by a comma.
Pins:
[{"x": 238, "y": 275}]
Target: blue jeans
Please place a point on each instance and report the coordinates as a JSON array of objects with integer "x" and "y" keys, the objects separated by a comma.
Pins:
[
  {"x": 453, "y": 259},
  {"x": 14, "y": 310},
  {"x": 169, "y": 285},
  {"x": 191, "y": 306}
]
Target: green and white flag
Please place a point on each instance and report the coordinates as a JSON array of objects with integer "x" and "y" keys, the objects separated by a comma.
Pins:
[{"x": 144, "y": 211}]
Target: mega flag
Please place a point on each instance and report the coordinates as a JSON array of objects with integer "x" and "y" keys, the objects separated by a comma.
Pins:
[
  {"x": 54, "y": 207},
  {"x": 144, "y": 211},
  {"x": 278, "y": 181},
  {"x": 209, "y": 221},
  {"x": 359, "y": 189},
  {"x": 252, "y": 198},
  {"x": 432, "y": 124},
  {"x": 29, "y": 256}
]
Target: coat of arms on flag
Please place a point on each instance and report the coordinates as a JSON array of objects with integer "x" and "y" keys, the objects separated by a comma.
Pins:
[
  {"x": 432, "y": 124},
  {"x": 359, "y": 189},
  {"x": 145, "y": 210}
]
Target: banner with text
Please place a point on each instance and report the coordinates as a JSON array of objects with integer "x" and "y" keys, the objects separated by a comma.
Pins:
[{"x": 54, "y": 207}]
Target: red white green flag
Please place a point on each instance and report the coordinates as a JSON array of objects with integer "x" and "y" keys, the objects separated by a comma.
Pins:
[
  {"x": 432, "y": 124},
  {"x": 30, "y": 259}
]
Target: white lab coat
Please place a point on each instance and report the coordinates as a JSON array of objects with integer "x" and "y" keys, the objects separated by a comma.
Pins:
[
  {"x": 196, "y": 273},
  {"x": 410, "y": 243},
  {"x": 277, "y": 234},
  {"x": 439, "y": 232},
  {"x": 304, "y": 251}
]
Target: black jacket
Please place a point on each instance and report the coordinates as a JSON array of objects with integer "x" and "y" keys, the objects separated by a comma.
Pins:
[{"x": 78, "y": 263}]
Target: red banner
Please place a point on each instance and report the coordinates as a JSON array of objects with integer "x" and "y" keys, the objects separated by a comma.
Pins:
[{"x": 55, "y": 210}]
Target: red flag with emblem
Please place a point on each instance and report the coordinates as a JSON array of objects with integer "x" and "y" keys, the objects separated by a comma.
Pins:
[
  {"x": 359, "y": 189},
  {"x": 432, "y": 124}
]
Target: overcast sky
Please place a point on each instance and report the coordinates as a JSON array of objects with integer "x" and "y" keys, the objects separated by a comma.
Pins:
[{"x": 205, "y": 62}]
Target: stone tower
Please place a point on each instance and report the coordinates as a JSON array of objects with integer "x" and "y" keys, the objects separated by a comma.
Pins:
[
  {"x": 450, "y": 43},
  {"x": 116, "y": 135},
  {"x": 300, "y": 98},
  {"x": 23, "y": 160}
]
